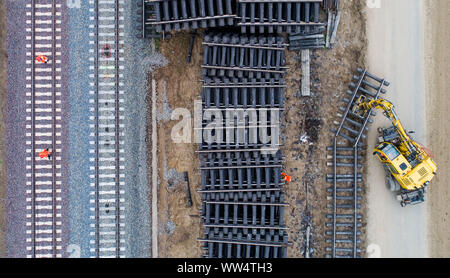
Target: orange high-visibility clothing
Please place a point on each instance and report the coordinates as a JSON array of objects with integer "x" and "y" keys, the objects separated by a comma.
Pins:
[
  {"x": 44, "y": 154},
  {"x": 42, "y": 59},
  {"x": 286, "y": 177}
]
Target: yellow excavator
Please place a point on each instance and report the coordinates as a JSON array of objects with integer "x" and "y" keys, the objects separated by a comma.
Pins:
[{"x": 409, "y": 168}]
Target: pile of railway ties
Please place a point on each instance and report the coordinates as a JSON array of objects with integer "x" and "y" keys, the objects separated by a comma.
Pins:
[{"x": 242, "y": 99}]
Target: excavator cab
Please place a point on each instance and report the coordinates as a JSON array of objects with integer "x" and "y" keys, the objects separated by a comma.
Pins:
[{"x": 396, "y": 163}]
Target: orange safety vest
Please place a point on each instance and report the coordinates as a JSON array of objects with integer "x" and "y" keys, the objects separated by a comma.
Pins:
[
  {"x": 41, "y": 59},
  {"x": 286, "y": 177},
  {"x": 44, "y": 154}
]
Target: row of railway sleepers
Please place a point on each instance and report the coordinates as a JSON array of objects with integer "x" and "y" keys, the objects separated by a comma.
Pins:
[
  {"x": 242, "y": 56},
  {"x": 190, "y": 14},
  {"x": 277, "y": 16},
  {"x": 242, "y": 198}
]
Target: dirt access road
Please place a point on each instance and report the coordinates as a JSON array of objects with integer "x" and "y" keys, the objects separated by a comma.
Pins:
[{"x": 396, "y": 51}]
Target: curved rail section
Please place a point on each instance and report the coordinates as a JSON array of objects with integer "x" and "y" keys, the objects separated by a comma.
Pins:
[{"x": 344, "y": 222}]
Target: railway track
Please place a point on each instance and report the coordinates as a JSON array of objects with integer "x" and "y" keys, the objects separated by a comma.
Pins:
[
  {"x": 43, "y": 130},
  {"x": 108, "y": 178},
  {"x": 344, "y": 222}
]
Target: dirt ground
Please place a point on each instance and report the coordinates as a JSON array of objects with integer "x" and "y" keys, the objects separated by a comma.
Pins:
[
  {"x": 179, "y": 225},
  {"x": 2, "y": 129},
  {"x": 437, "y": 58},
  {"x": 307, "y": 117},
  {"x": 311, "y": 118}
]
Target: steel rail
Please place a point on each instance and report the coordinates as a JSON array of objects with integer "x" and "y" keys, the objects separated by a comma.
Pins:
[
  {"x": 117, "y": 133},
  {"x": 254, "y": 46},
  {"x": 96, "y": 115},
  {"x": 246, "y": 242},
  {"x": 262, "y": 189},
  {"x": 190, "y": 19},
  {"x": 33, "y": 116},
  {"x": 248, "y": 69},
  {"x": 54, "y": 214}
]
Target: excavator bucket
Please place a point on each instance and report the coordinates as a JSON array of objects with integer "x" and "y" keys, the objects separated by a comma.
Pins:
[{"x": 359, "y": 108}]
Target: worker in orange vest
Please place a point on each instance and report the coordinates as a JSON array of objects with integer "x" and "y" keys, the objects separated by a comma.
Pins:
[
  {"x": 42, "y": 59},
  {"x": 45, "y": 154},
  {"x": 286, "y": 177}
]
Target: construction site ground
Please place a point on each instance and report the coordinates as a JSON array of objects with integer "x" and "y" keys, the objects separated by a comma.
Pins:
[{"x": 305, "y": 133}]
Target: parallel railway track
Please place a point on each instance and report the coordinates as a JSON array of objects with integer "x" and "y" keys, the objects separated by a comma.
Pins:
[
  {"x": 108, "y": 177},
  {"x": 344, "y": 222},
  {"x": 43, "y": 129}
]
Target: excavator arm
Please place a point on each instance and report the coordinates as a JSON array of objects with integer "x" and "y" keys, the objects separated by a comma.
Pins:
[{"x": 364, "y": 106}]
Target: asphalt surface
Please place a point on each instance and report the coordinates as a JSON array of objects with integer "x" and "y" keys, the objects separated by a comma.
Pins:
[{"x": 396, "y": 52}]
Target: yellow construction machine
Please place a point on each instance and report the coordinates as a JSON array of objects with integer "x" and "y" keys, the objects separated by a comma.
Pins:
[{"x": 409, "y": 168}]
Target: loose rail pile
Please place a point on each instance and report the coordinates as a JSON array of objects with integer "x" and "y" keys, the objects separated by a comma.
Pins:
[
  {"x": 344, "y": 222},
  {"x": 43, "y": 130},
  {"x": 242, "y": 198},
  {"x": 107, "y": 129}
]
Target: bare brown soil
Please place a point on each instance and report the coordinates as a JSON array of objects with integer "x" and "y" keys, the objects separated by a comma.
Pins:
[
  {"x": 183, "y": 87},
  {"x": 2, "y": 128},
  {"x": 438, "y": 104},
  {"x": 305, "y": 161}
]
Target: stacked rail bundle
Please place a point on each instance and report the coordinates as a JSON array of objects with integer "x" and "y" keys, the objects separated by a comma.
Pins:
[
  {"x": 344, "y": 222},
  {"x": 242, "y": 199},
  {"x": 232, "y": 55},
  {"x": 170, "y": 15},
  {"x": 265, "y": 16}
]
